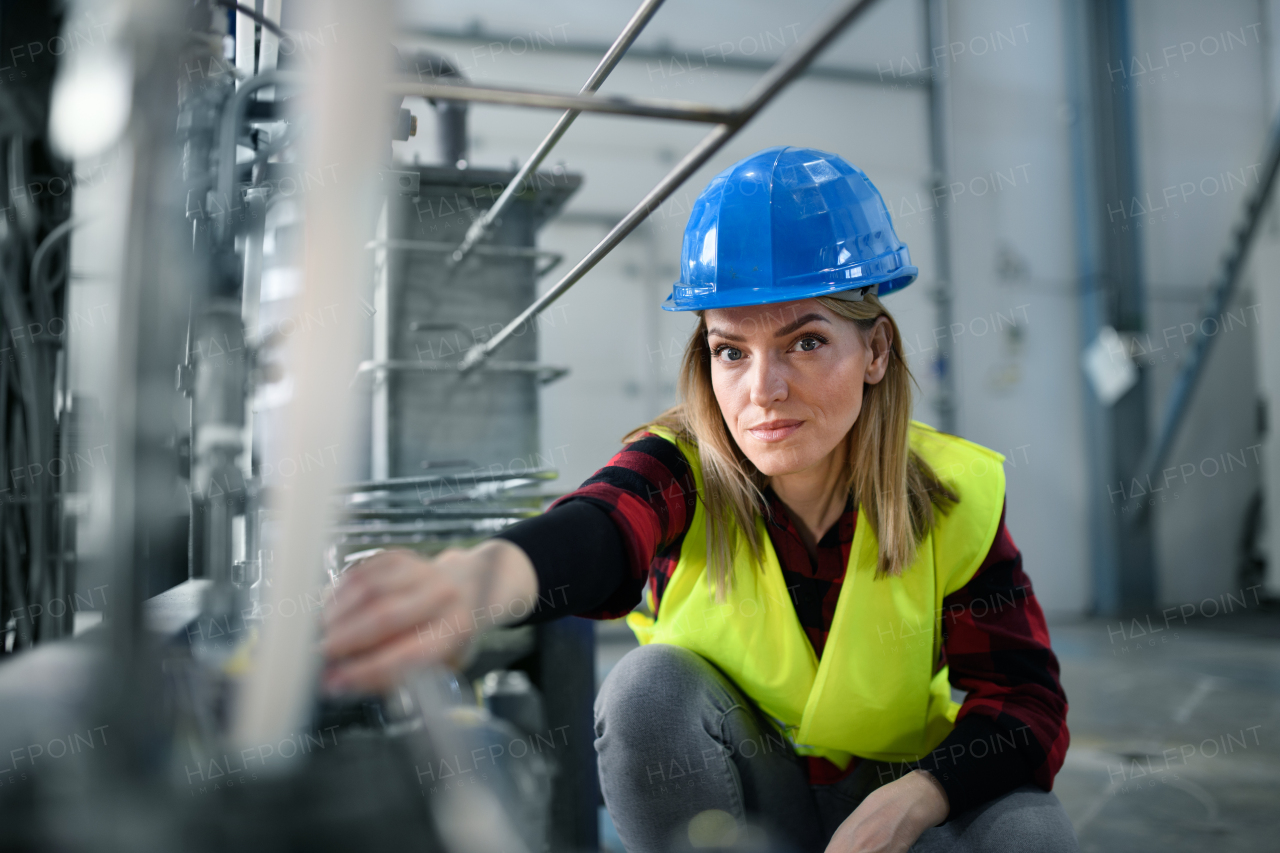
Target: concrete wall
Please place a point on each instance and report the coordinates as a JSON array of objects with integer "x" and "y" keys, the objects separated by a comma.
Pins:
[
  {"x": 1197, "y": 75},
  {"x": 1266, "y": 286},
  {"x": 1019, "y": 383}
]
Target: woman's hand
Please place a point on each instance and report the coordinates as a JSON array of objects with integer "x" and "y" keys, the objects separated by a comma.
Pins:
[
  {"x": 397, "y": 610},
  {"x": 893, "y": 817}
]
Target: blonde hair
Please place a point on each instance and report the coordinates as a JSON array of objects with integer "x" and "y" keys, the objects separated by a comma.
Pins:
[{"x": 897, "y": 492}]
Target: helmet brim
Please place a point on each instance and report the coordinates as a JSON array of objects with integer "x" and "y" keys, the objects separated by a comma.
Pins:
[{"x": 739, "y": 297}]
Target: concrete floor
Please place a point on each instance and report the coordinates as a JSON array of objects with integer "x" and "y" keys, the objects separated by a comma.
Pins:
[{"x": 1175, "y": 733}]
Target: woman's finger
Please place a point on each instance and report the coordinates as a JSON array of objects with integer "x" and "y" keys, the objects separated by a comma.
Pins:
[
  {"x": 389, "y": 572},
  {"x": 376, "y": 670},
  {"x": 381, "y": 668},
  {"x": 386, "y": 614}
]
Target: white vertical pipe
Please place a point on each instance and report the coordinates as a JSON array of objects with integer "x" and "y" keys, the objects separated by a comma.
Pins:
[
  {"x": 380, "y": 464},
  {"x": 245, "y": 32},
  {"x": 345, "y": 105},
  {"x": 269, "y": 48}
]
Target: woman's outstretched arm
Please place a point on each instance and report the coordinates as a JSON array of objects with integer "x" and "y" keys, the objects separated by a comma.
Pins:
[{"x": 588, "y": 555}]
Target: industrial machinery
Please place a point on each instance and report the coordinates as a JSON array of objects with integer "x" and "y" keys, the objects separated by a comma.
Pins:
[{"x": 244, "y": 347}]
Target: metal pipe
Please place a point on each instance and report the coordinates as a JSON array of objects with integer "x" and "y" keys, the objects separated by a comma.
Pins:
[
  {"x": 937, "y": 32},
  {"x": 610, "y": 61},
  {"x": 451, "y": 115},
  {"x": 269, "y": 46},
  {"x": 427, "y": 513},
  {"x": 545, "y": 373},
  {"x": 246, "y": 41},
  {"x": 479, "y": 475},
  {"x": 642, "y": 107},
  {"x": 252, "y": 14},
  {"x": 232, "y": 117},
  {"x": 151, "y": 286},
  {"x": 435, "y": 246},
  {"x": 480, "y": 527},
  {"x": 670, "y": 57},
  {"x": 274, "y": 696},
  {"x": 782, "y": 73},
  {"x": 553, "y": 259}
]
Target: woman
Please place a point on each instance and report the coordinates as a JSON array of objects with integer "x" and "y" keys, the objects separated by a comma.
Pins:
[{"x": 820, "y": 570}]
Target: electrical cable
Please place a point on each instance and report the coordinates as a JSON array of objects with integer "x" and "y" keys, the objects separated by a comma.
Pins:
[
  {"x": 273, "y": 148},
  {"x": 42, "y": 251},
  {"x": 17, "y": 597},
  {"x": 7, "y": 600},
  {"x": 265, "y": 22},
  {"x": 32, "y": 368}
]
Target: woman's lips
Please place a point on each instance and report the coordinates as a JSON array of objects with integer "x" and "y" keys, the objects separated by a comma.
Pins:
[{"x": 774, "y": 430}]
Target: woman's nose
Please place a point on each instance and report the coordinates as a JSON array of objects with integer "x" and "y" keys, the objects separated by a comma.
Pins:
[{"x": 768, "y": 382}]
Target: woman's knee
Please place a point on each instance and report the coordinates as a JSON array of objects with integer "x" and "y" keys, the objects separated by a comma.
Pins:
[
  {"x": 656, "y": 683},
  {"x": 1026, "y": 818}
]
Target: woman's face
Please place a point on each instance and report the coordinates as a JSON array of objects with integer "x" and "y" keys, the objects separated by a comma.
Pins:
[{"x": 789, "y": 379}]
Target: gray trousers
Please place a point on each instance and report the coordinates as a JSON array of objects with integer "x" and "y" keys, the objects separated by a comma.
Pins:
[{"x": 676, "y": 737}]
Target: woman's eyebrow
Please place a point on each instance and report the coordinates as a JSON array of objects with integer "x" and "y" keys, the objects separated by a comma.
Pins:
[
  {"x": 791, "y": 327},
  {"x": 785, "y": 330}
]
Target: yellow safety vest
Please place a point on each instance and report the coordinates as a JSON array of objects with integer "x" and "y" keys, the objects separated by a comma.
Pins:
[{"x": 874, "y": 693}]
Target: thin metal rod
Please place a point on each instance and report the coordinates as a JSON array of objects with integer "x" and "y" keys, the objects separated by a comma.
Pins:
[
  {"x": 1216, "y": 301},
  {"x": 642, "y": 107},
  {"x": 552, "y": 259},
  {"x": 265, "y": 22},
  {"x": 446, "y": 530},
  {"x": 610, "y": 60},
  {"x": 430, "y": 513},
  {"x": 782, "y": 73},
  {"x": 435, "y": 246},
  {"x": 480, "y": 475},
  {"x": 545, "y": 373},
  {"x": 669, "y": 58}
]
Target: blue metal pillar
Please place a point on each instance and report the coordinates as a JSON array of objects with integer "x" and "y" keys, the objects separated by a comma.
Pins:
[{"x": 1109, "y": 257}]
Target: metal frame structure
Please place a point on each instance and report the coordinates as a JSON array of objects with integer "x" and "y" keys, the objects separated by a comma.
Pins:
[
  {"x": 612, "y": 57},
  {"x": 553, "y": 259},
  {"x": 930, "y": 81},
  {"x": 667, "y": 54},
  {"x": 932, "y": 85},
  {"x": 613, "y": 105}
]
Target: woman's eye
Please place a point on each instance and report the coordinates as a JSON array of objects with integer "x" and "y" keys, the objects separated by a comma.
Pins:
[
  {"x": 808, "y": 344},
  {"x": 728, "y": 353}
]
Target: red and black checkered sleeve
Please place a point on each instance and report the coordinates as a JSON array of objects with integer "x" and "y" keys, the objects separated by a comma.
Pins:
[
  {"x": 1012, "y": 725},
  {"x": 647, "y": 489},
  {"x": 594, "y": 549}
]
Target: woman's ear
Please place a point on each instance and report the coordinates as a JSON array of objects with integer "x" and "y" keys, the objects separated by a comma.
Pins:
[{"x": 880, "y": 340}]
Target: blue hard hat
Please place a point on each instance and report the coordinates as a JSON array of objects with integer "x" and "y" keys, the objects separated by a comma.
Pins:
[{"x": 783, "y": 224}]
